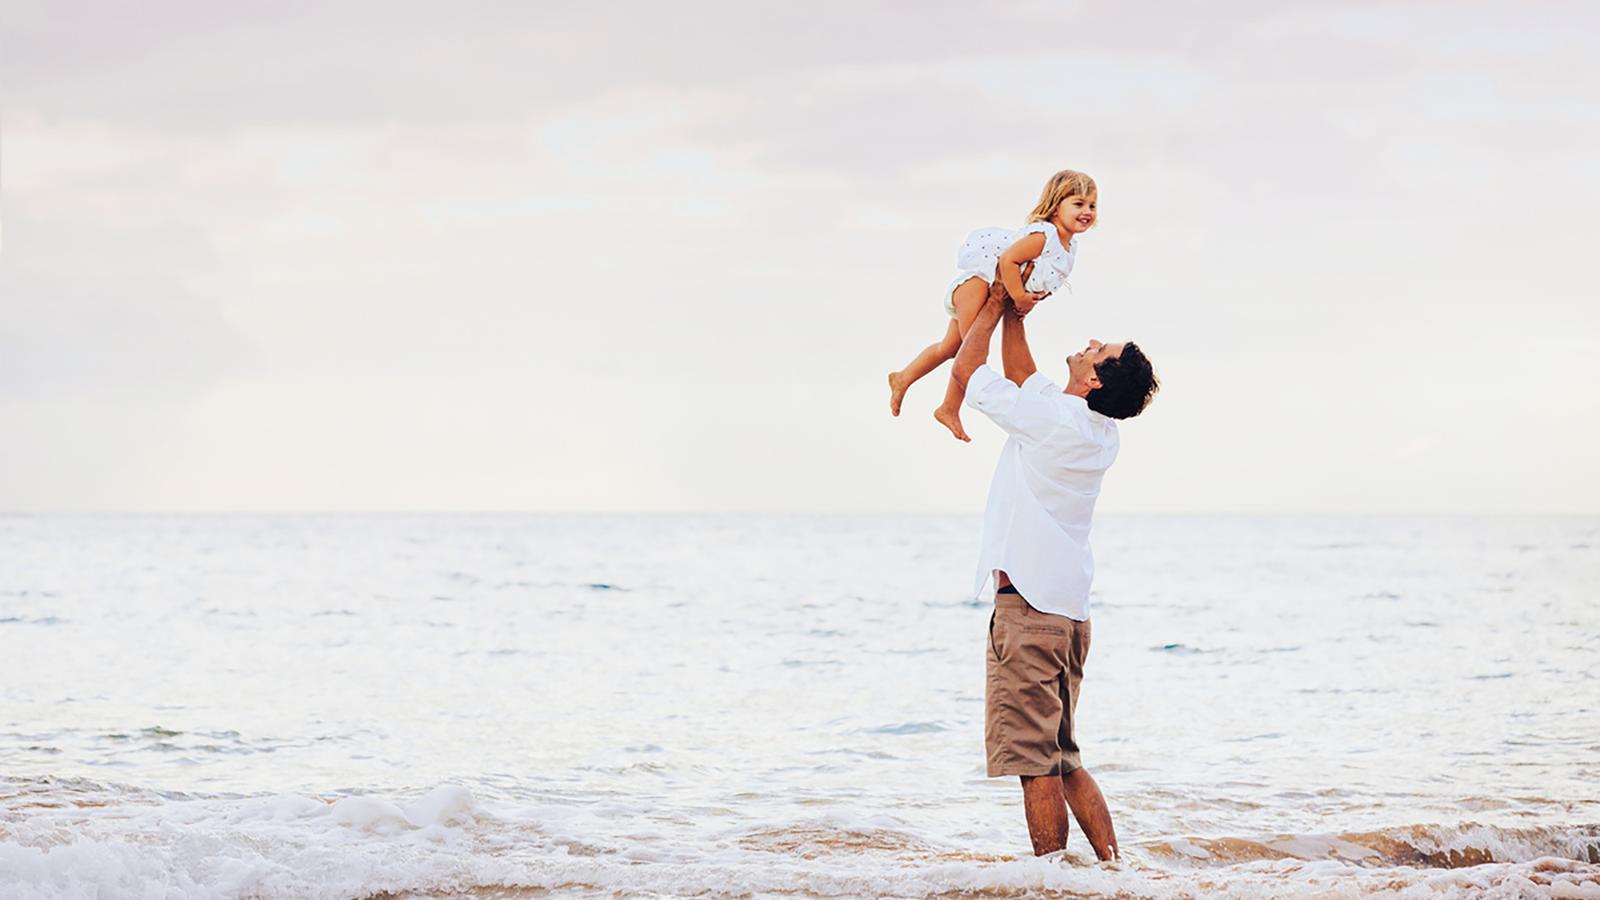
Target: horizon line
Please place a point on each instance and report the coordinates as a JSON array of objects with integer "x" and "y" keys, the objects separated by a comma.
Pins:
[{"x": 777, "y": 512}]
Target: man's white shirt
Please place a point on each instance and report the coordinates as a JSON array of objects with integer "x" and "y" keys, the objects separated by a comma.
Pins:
[{"x": 1036, "y": 526}]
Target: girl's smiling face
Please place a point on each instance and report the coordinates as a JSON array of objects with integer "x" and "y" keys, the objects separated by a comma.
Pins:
[{"x": 1077, "y": 213}]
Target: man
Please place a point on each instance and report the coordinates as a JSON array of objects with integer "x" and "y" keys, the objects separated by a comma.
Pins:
[{"x": 1036, "y": 547}]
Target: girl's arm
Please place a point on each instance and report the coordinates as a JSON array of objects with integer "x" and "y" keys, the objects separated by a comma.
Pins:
[{"x": 1011, "y": 261}]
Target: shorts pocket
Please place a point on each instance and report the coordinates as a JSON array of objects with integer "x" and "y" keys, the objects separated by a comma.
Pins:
[{"x": 1000, "y": 636}]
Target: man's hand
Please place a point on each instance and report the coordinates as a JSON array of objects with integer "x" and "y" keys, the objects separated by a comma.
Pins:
[{"x": 997, "y": 291}]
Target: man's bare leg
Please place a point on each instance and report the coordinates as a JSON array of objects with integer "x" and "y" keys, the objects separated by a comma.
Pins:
[
  {"x": 1044, "y": 803},
  {"x": 1089, "y": 808}
]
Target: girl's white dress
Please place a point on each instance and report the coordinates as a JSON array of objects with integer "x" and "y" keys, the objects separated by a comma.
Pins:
[{"x": 980, "y": 254}]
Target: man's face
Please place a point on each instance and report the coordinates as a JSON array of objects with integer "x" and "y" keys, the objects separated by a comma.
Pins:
[
  {"x": 1077, "y": 214},
  {"x": 1080, "y": 365}
]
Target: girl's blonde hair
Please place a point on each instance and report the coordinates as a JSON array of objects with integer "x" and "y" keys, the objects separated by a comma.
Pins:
[{"x": 1063, "y": 184}]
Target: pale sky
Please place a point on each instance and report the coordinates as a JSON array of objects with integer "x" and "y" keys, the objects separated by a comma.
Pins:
[{"x": 659, "y": 256}]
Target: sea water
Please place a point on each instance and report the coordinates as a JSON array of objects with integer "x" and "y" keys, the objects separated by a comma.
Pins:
[{"x": 507, "y": 705}]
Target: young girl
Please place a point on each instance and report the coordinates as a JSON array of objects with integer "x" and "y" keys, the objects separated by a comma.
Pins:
[{"x": 1048, "y": 243}]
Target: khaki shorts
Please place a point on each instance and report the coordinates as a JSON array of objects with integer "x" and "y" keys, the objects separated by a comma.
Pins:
[{"x": 1035, "y": 667}]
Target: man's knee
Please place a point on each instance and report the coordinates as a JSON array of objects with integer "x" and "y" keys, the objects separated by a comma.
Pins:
[{"x": 1042, "y": 787}]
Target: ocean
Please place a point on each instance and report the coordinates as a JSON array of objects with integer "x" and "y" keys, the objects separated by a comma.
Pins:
[{"x": 431, "y": 706}]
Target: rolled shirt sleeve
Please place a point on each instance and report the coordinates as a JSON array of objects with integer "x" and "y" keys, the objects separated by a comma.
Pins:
[{"x": 1026, "y": 412}]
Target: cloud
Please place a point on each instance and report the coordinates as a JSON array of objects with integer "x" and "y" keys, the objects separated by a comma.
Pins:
[
  {"x": 660, "y": 256},
  {"x": 103, "y": 347},
  {"x": 99, "y": 310}
]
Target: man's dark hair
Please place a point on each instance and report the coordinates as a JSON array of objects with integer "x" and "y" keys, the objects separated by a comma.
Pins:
[{"x": 1127, "y": 384}]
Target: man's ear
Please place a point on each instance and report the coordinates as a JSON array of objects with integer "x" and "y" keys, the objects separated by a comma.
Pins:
[{"x": 1094, "y": 380}]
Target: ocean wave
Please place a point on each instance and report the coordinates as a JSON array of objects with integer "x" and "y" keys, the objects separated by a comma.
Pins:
[
  {"x": 77, "y": 838},
  {"x": 1420, "y": 846}
]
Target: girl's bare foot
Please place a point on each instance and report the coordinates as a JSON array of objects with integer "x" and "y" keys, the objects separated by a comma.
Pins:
[
  {"x": 951, "y": 419},
  {"x": 897, "y": 392}
]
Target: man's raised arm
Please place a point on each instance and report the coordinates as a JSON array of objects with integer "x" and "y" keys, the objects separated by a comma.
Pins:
[
  {"x": 975, "y": 346},
  {"x": 1014, "y": 352},
  {"x": 1023, "y": 414}
]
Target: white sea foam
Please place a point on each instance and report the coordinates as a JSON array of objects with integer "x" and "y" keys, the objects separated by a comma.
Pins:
[
  {"x": 444, "y": 805},
  {"x": 87, "y": 841}
]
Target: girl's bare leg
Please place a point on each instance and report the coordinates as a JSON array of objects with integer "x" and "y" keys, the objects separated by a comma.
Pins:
[
  {"x": 932, "y": 357},
  {"x": 969, "y": 298}
]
